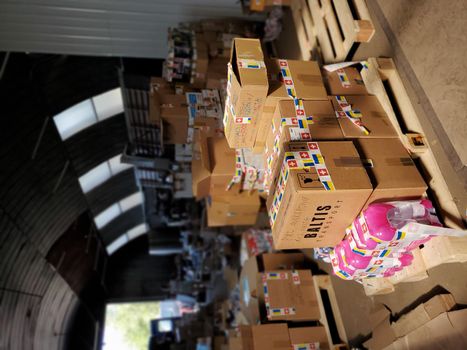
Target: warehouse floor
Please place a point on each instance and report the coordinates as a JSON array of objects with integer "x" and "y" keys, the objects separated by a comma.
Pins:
[{"x": 428, "y": 45}]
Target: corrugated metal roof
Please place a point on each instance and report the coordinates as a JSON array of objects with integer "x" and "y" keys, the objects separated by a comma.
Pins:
[{"x": 94, "y": 27}]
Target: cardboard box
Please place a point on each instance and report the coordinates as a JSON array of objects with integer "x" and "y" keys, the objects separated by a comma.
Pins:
[
  {"x": 217, "y": 74},
  {"x": 160, "y": 85},
  {"x": 352, "y": 85},
  {"x": 235, "y": 343},
  {"x": 246, "y": 335},
  {"x": 200, "y": 62},
  {"x": 288, "y": 295},
  {"x": 248, "y": 278},
  {"x": 423, "y": 314},
  {"x": 174, "y": 114},
  {"x": 311, "y": 209},
  {"x": 200, "y": 166},
  {"x": 309, "y": 335},
  {"x": 270, "y": 337},
  {"x": 223, "y": 166},
  {"x": 324, "y": 126},
  {"x": 373, "y": 118},
  {"x": 219, "y": 343},
  {"x": 232, "y": 209},
  {"x": 307, "y": 84},
  {"x": 446, "y": 331},
  {"x": 247, "y": 90},
  {"x": 392, "y": 172}
]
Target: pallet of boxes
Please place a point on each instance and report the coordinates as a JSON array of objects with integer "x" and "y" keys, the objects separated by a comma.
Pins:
[
  {"x": 333, "y": 165},
  {"x": 278, "y": 111}
]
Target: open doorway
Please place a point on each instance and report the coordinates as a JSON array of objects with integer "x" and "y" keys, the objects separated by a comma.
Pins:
[{"x": 128, "y": 325}]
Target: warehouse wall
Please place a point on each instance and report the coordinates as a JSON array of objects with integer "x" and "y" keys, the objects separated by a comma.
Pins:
[
  {"x": 52, "y": 259},
  {"x": 123, "y": 28}
]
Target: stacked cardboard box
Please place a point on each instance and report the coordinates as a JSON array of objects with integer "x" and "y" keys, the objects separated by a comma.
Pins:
[
  {"x": 213, "y": 166},
  {"x": 279, "y": 336},
  {"x": 326, "y": 154},
  {"x": 252, "y": 301},
  {"x": 180, "y": 114}
]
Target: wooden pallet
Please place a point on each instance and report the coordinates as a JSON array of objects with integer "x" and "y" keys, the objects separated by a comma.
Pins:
[
  {"x": 330, "y": 30},
  {"x": 383, "y": 80},
  {"x": 331, "y": 317}
]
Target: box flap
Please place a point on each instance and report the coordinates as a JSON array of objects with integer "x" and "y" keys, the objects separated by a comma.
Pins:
[
  {"x": 306, "y": 76},
  {"x": 248, "y": 49},
  {"x": 374, "y": 118}
]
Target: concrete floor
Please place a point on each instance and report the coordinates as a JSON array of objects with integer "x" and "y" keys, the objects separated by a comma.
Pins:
[{"x": 427, "y": 40}]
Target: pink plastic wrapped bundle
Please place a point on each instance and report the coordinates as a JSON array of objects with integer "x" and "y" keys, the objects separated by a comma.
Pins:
[
  {"x": 378, "y": 228},
  {"x": 350, "y": 265}
]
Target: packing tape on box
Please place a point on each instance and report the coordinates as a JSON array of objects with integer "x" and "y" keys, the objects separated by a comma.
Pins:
[
  {"x": 283, "y": 275},
  {"x": 290, "y": 89},
  {"x": 353, "y": 115},
  {"x": 246, "y": 174},
  {"x": 306, "y": 346},
  {"x": 312, "y": 158},
  {"x": 400, "y": 161},
  {"x": 239, "y": 169},
  {"x": 343, "y": 78},
  {"x": 270, "y": 276},
  {"x": 247, "y": 63}
]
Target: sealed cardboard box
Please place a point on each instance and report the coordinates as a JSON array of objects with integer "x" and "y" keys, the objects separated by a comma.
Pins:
[
  {"x": 249, "y": 274},
  {"x": 288, "y": 79},
  {"x": 344, "y": 81},
  {"x": 270, "y": 336},
  {"x": 362, "y": 117},
  {"x": 232, "y": 209},
  {"x": 288, "y": 295},
  {"x": 200, "y": 166},
  {"x": 314, "y": 337},
  {"x": 320, "y": 125},
  {"x": 391, "y": 170},
  {"x": 246, "y": 92},
  {"x": 248, "y": 278},
  {"x": 321, "y": 189}
]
